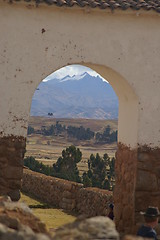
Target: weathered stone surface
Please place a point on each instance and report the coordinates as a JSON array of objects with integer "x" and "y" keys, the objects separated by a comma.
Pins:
[
  {"x": 15, "y": 214},
  {"x": 137, "y": 185},
  {"x": 13, "y": 172},
  {"x": 93, "y": 201},
  {"x": 91, "y": 228},
  {"x": 127, "y": 212},
  {"x": 3, "y": 162},
  {"x": 17, "y": 222},
  {"x": 12, "y": 151},
  {"x": 24, "y": 234},
  {"x": 146, "y": 181},
  {"x": 125, "y": 167},
  {"x": 67, "y": 195},
  {"x": 14, "y": 194}
]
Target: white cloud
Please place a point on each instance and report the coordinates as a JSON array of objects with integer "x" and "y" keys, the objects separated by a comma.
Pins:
[{"x": 71, "y": 70}]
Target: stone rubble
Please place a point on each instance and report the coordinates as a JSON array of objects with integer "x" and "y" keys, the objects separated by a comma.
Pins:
[
  {"x": 92, "y": 228},
  {"x": 18, "y": 223}
]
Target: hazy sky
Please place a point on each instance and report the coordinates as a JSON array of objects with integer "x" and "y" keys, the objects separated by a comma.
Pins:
[{"x": 71, "y": 70}]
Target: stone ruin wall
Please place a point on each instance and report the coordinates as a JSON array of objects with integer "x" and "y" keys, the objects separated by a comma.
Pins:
[
  {"x": 12, "y": 151},
  {"x": 137, "y": 185},
  {"x": 124, "y": 192},
  {"x": 67, "y": 195}
]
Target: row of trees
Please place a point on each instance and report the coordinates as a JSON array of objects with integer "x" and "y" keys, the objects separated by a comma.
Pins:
[
  {"x": 100, "y": 169},
  {"x": 100, "y": 172},
  {"x": 108, "y": 136},
  {"x": 80, "y": 133}
]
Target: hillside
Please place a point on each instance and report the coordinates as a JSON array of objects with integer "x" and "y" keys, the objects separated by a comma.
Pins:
[
  {"x": 94, "y": 124},
  {"x": 48, "y": 149},
  {"x": 82, "y": 96}
]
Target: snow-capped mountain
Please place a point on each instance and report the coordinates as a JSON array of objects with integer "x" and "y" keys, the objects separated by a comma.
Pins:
[{"x": 77, "y": 96}]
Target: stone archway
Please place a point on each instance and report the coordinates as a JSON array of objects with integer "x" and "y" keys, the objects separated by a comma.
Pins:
[
  {"x": 127, "y": 147},
  {"x": 37, "y": 41},
  {"x": 126, "y": 156}
]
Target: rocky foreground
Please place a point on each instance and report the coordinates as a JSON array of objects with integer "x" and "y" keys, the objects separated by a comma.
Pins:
[{"x": 17, "y": 222}]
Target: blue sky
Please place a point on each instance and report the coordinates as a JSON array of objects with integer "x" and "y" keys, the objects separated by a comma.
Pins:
[{"x": 71, "y": 70}]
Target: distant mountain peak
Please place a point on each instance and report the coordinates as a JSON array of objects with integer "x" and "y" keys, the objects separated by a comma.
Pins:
[
  {"x": 64, "y": 78},
  {"x": 75, "y": 77},
  {"x": 76, "y": 96},
  {"x": 85, "y": 74}
]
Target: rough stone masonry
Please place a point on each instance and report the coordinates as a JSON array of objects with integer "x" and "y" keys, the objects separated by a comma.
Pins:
[{"x": 12, "y": 151}]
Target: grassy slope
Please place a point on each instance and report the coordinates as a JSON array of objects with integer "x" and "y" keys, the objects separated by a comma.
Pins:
[{"x": 52, "y": 217}]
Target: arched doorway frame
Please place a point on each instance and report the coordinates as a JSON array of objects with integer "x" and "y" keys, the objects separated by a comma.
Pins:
[
  {"x": 128, "y": 101},
  {"x": 127, "y": 138}
]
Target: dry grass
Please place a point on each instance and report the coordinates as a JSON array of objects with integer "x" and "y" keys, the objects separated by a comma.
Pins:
[
  {"x": 52, "y": 217},
  {"x": 47, "y": 149},
  {"x": 93, "y": 124}
]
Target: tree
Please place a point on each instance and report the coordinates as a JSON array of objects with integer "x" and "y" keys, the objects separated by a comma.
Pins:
[
  {"x": 30, "y": 130},
  {"x": 100, "y": 172},
  {"x": 86, "y": 180},
  {"x": 107, "y": 136},
  {"x": 36, "y": 166},
  {"x": 97, "y": 171},
  {"x": 80, "y": 133},
  {"x": 50, "y": 114},
  {"x": 66, "y": 165}
]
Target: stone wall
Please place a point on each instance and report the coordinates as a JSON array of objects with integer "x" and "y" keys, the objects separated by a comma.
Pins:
[
  {"x": 67, "y": 195},
  {"x": 137, "y": 185},
  {"x": 147, "y": 191},
  {"x": 12, "y": 151},
  {"x": 124, "y": 193}
]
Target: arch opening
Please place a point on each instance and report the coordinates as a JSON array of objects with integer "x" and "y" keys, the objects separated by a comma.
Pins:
[
  {"x": 88, "y": 83},
  {"x": 128, "y": 101},
  {"x": 127, "y": 104}
]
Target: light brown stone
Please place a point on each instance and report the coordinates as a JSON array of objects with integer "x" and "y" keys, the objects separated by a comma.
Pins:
[{"x": 85, "y": 229}]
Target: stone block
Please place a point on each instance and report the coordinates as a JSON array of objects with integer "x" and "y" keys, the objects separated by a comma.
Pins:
[
  {"x": 67, "y": 194},
  {"x": 3, "y": 162},
  {"x": 12, "y": 172},
  {"x": 14, "y": 194},
  {"x": 90, "y": 228},
  {"x": 3, "y": 181},
  {"x": 67, "y": 200},
  {"x": 3, "y": 151},
  {"x": 146, "y": 181},
  {"x": 67, "y": 186},
  {"x": 143, "y": 157},
  {"x": 14, "y": 183},
  {"x": 63, "y": 205},
  {"x": 118, "y": 212},
  {"x": 127, "y": 214}
]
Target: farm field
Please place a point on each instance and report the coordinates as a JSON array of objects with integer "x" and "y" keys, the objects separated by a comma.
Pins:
[{"x": 47, "y": 149}]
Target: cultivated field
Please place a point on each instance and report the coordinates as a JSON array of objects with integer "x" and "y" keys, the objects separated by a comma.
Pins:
[{"x": 47, "y": 149}]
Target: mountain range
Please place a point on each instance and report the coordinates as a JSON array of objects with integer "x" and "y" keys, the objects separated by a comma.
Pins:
[{"x": 78, "y": 96}]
